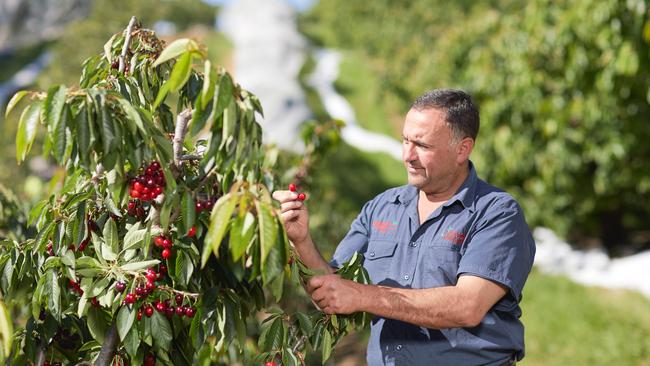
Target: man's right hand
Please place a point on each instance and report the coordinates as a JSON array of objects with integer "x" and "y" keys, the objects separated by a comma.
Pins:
[{"x": 294, "y": 215}]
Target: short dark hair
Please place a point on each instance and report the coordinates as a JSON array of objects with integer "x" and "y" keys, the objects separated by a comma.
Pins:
[{"x": 460, "y": 111}]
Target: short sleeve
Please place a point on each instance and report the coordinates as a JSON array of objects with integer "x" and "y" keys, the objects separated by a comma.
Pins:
[
  {"x": 502, "y": 250},
  {"x": 356, "y": 240}
]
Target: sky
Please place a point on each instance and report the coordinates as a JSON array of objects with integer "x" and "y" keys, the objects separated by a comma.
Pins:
[{"x": 300, "y": 5}]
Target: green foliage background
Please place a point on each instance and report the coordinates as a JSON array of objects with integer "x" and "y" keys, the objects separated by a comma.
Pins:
[{"x": 563, "y": 90}]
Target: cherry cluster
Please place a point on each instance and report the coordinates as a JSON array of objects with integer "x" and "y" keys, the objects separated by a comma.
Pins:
[
  {"x": 293, "y": 188},
  {"x": 77, "y": 288},
  {"x": 148, "y": 185},
  {"x": 143, "y": 291},
  {"x": 204, "y": 205},
  {"x": 166, "y": 243}
]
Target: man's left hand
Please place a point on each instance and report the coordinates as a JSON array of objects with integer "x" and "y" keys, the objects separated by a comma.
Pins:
[{"x": 335, "y": 295}]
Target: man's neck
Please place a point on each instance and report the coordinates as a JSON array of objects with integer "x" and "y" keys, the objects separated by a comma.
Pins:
[{"x": 430, "y": 201}]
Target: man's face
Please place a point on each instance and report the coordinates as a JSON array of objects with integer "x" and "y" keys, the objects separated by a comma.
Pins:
[{"x": 431, "y": 158}]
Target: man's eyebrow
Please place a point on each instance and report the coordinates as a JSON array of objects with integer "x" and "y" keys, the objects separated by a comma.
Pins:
[{"x": 417, "y": 142}]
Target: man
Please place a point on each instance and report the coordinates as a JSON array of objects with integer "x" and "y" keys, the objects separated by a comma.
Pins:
[{"x": 448, "y": 254}]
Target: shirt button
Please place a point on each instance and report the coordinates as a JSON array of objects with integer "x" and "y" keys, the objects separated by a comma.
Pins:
[
  {"x": 372, "y": 254},
  {"x": 399, "y": 347},
  {"x": 406, "y": 277},
  {"x": 414, "y": 244}
]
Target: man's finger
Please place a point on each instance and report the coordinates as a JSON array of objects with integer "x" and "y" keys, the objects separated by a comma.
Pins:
[
  {"x": 314, "y": 283},
  {"x": 285, "y": 196},
  {"x": 290, "y": 205},
  {"x": 289, "y": 215}
]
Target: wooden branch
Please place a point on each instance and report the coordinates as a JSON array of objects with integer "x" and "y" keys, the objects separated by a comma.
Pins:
[
  {"x": 182, "y": 120},
  {"x": 109, "y": 347},
  {"x": 127, "y": 42}
]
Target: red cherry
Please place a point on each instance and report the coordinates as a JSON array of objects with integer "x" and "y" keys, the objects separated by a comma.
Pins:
[
  {"x": 46, "y": 363},
  {"x": 139, "y": 315},
  {"x": 158, "y": 240},
  {"x": 120, "y": 286},
  {"x": 192, "y": 232},
  {"x": 166, "y": 253},
  {"x": 154, "y": 165},
  {"x": 130, "y": 298},
  {"x": 151, "y": 275},
  {"x": 137, "y": 186},
  {"x": 150, "y": 286},
  {"x": 209, "y": 204},
  {"x": 169, "y": 311},
  {"x": 158, "y": 190},
  {"x": 269, "y": 363},
  {"x": 135, "y": 194},
  {"x": 94, "y": 302},
  {"x": 161, "y": 307},
  {"x": 131, "y": 205},
  {"x": 302, "y": 196},
  {"x": 180, "y": 311},
  {"x": 139, "y": 290},
  {"x": 139, "y": 211},
  {"x": 292, "y": 187},
  {"x": 198, "y": 206},
  {"x": 150, "y": 360},
  {"x": 167, "y": 243},
  {"x": 162, "y": 269},
  {"x": 148, "y": 311},
  {"x": 190, "y": 311},
  {"x": 179, "y": 299}
]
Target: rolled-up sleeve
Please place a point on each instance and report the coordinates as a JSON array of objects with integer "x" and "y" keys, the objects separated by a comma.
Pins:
[{"x": 502, "y": 250}]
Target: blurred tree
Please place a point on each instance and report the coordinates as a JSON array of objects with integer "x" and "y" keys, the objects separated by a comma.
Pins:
[{"x": 563, "y": 88}]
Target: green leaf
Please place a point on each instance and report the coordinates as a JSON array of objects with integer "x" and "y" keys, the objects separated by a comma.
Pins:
[
  {"x": 327, "y": 345},
  {"x": 110, "y": 236},
  {"x": 188, "y": 211},
  {"x": 173, "y": 50},
  {"x": 108, "y": 46},
  {"x": 97, "y": 288},
  {"x": 132, "y": 342},
  {"x": 97, "y": 324},
  {"x": 108, "y": 132},
  {"x": 241, "y": 234},
  {"x": 125, "y": 319},
  {"x": 267, "y": 229},
  {"x": 224, "y": 98},
  {"x": 14, "y": 100},
  {"x": 161, "y": 331},
  {"x": 136, "y": 266},
  {"x": 59, "y": 135},
  {"x": 219, "y": 222},
  {"x": 53, "y": 291},
  {"x": 272, "y": 337},
  {"x": 133, "y": 115},
  {"x": 6, "y": 330},
  {"x": 184, "y": 267},
  {"x": 181, "y": 72},
  {"x": 27, "y": 130},
  {"x": 162, "y": 93},
  {"x": 134, "y": 238},
  {"x": 288, "y": 358},
  {"x": 208, "y": 84}
]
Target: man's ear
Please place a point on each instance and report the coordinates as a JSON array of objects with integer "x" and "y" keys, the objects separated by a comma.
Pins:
[{"x": 464, "y": 149}]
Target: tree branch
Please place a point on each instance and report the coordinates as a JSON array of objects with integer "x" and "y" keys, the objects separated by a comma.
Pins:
[
  {"x": 127, "y": 42},
  {"x": 109, "y": 347},
  {"x": 182, "y": 120}
]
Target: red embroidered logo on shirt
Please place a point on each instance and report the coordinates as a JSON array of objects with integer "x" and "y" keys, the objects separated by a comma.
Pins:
[
  {"x": 384, "y": 226},
  {"x": 455, "y": 237}
]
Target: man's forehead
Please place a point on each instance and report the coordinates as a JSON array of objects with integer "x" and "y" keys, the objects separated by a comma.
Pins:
[{"x": 424, "y": 122}]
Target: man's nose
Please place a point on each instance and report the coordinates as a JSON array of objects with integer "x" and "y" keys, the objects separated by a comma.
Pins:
[{"x": 408, "y": 152}]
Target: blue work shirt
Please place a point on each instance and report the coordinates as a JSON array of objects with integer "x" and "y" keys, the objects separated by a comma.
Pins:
[{"x": 480, "y": 231}]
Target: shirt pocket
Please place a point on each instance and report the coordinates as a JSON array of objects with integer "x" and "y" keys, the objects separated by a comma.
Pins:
[
  {"x": 379, "y": 257},
  {"x": 440, "y": 262}
]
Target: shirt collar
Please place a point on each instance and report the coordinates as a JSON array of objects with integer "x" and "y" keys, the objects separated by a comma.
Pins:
[{"x": 465, "y": 193}]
